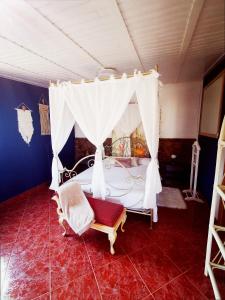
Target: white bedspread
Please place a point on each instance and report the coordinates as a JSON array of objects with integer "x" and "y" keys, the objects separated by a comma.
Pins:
[{"x": 121, "y": 187}]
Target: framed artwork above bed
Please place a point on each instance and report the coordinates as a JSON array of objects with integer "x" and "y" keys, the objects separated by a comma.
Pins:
[
  {"x": 212, "y": 107},
  {"x": 139, "y": 146},
  {"x": 133, "y": 145}
]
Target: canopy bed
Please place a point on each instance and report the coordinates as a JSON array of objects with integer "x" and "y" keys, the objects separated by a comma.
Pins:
[
  {"x": 124, "y": 178},
  {"x": 98, "y": 107}
]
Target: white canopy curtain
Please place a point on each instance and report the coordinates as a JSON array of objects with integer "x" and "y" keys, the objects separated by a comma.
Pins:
[
  {"x": 129, "y": 121},
  {"x": 62, "y": 122},
  {"x": 97, "y": 107},
  {"x": 147, "y": 96}
]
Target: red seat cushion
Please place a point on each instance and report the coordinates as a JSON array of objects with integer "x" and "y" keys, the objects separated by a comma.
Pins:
[{"x": 106, "y": 213}]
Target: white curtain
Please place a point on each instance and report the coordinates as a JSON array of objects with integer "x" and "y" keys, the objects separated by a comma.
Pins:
[
  {"x": 129, "y": 121},
  {"x": 62, "y": 122},
  {"x": 124, "y": 128},
  {"x": 147, "y": 95},
  {"x": 97, "y": 107}
]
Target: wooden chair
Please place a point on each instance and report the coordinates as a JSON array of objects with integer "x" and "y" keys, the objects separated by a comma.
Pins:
[{"x": 108, "y": 217}]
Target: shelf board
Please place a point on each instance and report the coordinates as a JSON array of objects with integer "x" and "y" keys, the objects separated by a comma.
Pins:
[
  {"x": 218, "y": 240},
  {"x": 213, "y": 282},
  {"x": 221, "y": 191},
  {"x": 222, "y": 143}
]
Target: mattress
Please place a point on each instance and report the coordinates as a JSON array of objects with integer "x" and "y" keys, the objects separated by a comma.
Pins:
[{"x": 124, "y": 186}]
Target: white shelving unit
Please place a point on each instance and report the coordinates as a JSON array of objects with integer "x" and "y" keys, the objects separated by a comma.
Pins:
[
  {"x": 191, "y": 194},
  {"x": 218, "y": 261}
]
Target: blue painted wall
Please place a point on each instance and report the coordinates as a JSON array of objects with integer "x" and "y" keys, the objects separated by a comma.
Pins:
[
  {"x": 207, "y": 165},
  {"x": 22, "y": 166}
]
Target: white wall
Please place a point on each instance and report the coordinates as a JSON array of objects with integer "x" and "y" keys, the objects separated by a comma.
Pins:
[
  {"x": 180, "y": 110},
  {"x": 78, "y": 132}
]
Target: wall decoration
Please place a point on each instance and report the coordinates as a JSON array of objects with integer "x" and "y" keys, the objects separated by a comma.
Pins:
[
  {"x": 44, "y": 117},
  {"x": 120, "y": 145},
  {"x": 134, "y": 145},
  {"x": 25, "y": 122},
  {"x": 139, "y": 146},
  {"x": 128, "y": 123},
  {"x": 211, "y": 107}
]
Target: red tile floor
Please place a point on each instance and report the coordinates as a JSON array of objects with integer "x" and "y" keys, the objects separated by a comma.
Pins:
[{"x": 164, "y": 263}]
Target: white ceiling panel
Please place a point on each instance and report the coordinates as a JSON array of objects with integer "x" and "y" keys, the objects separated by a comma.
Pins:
[
  {"x": 97, "y": 26},
  {"x": 157, "y": 29},
  {"x": 42, "y": 40},
  {"x": 14, "y": 55},
  {"x": 208, "y": 42},
  {"x": 38, "y": 35},
  {"x": 17, "y": 73},
  {"x": 209, "y": 35}
]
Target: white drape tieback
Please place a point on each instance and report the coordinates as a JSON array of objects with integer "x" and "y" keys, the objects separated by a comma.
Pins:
[
  {"x": 157, "y": 182},
  {"x": 56, "y": 168},
  {"x": 98, "y": 178},
  {"x": 152, "y": 187}
]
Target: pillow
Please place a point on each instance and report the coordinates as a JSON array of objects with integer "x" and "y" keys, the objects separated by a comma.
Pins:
[
  {"x": 134, "y": 161},
  {"x": 125, "y": 161},
  {"x": 108, "y": 162},
  {"x": 144, "y": 161}
]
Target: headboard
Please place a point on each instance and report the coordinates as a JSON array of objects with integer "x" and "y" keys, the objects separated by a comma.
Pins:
[
  {"x": 138, "y": 149},
  {"x": 128, "y": 146}
]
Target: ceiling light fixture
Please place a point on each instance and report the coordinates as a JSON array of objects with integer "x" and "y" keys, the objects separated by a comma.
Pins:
[{"x": 107, "y": 72}]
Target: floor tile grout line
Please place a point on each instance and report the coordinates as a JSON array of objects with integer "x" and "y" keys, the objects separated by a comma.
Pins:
[
  {"x": 178, "y": 268},
  {"x": 182, "y": 271},
  {"x": 173, "y": 279},
  {"x": 150, "y": 293},
  {"x": 92, "y": 268},
  {"x": 139, "y": 249},
  {"x": 66, "y": 243},
  {"x": 175, "y": 265},
  {"x": 115, "y": 259},
  {"x": 148, "y": 296},
  {"x": 36, "y": 298},
  {"x": 49, "y": 268},
  {"x": 70, "y": 281},
  {"x": 197, "y": 288},
  {"x": 3, "y": 279}
]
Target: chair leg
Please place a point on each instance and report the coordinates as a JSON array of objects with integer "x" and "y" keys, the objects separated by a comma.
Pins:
[
  {"x": 112, "y": 238},
  {"x": 61, "y": 219},
  {"x": 122, "y": 222}
]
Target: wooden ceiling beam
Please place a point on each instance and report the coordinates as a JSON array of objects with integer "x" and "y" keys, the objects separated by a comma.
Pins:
[
  {"x": 191, "y": 25},
  {"x": 129, "y": 35},
  {"x": 67, "y": 35}
]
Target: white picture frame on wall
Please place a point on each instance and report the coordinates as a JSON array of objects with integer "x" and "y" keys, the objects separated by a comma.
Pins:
[{"x": 211, "y": 107}]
